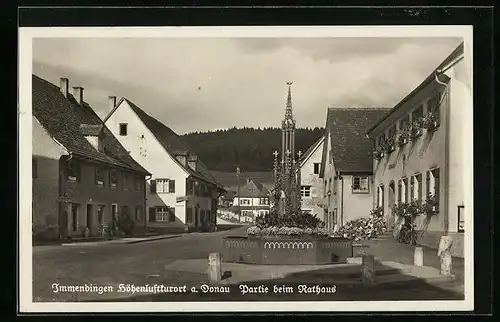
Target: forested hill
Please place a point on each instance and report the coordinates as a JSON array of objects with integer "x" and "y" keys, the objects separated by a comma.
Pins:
[{"x": 249, "y": 148}]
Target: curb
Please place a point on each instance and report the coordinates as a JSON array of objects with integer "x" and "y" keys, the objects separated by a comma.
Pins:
[{"x": 151, "y": 239}]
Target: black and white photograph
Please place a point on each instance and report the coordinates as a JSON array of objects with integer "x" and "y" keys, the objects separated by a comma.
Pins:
[{"x": 192, "y": 169}]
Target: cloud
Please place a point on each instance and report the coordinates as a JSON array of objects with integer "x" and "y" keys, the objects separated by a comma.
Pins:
[{"x": 203, "y": 84}]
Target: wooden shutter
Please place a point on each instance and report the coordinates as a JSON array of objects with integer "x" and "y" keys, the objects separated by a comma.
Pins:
[
  {"x": 436, "y": 186},
  {"x": 171, "y": 186},
  {"x": 427, "y": 183},
  {"x": 152, "y": 186},
  {"x": 152, "y": 214},
  {"x": 171, "y": 214}
]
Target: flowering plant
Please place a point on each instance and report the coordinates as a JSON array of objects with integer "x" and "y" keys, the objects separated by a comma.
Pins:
[
  {"x": 403, "y": 137},
  {"x": 377, "y": 212},
  {"x": 362, "y": 228},
  {"x": 429, "y": 206},
  {"x": 429, "y": 122},
  {"x": 416, "y": 128},
  {"x": 378, "y": 154},
  {"x": 390, "y": 144},
  {"x": 286, "y": 231}
]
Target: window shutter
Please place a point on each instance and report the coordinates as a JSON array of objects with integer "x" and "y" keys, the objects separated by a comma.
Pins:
[
  {"x": 152, "y": 186},
  {"x": 152, "y": 214},
  {"x": 171, "y": 214},
  {"x": 427, "y": 183},
  {"x": 171, "y": 186}
]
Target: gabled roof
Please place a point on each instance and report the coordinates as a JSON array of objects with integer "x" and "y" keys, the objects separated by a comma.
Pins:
[
  {"x": 309, "y": 152},
  {"x": 171, "y": 142},
  {"x": 351, "y": 148},
  {"x": 456, "y": 53},
  {"x": 63, "y": 118},
  {"x": 254, "y": 189}
]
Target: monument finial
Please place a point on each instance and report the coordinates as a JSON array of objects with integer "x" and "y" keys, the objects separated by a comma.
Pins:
[{"x": 288, "y": 110}]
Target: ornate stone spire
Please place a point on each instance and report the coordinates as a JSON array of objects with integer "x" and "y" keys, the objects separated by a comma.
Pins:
[{"x": 289, "y": 110}]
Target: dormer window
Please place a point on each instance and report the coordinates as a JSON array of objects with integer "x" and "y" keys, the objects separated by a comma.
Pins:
[
  {"x": 123, "y": 129},
  {"x": 93, "y": 134}
]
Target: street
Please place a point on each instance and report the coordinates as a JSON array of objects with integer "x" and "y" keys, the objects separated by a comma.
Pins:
[
  {"x": 144, "y": 264},
  {"x": 110, "y": 264}
]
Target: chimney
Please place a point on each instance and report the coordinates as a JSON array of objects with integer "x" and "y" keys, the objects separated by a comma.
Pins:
[
  {"x": 112, "y": 102},
  {"x": 78, "y": 94},
  {"x": 64, "y": 86}
]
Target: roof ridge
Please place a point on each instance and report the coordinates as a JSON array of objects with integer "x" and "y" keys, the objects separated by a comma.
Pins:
[{"x": 359, "y": 108}]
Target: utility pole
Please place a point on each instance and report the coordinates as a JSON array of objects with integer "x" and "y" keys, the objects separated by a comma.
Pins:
[{"x": 238, "y": 193}]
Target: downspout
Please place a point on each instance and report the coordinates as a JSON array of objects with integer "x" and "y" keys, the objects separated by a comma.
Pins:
[
  {"x": 146, "y": 210},
  {"x": 447, "y": 151},
  {"x": 341, "y": 198}
]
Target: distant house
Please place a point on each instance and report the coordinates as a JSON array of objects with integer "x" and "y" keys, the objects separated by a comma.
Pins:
[
  {"x": 426, "y": 142},
  {"x": 347, "y": 164},
  {"x": 311, "y": 185},
  {"x": 253, "y": 200},
  {"x": 182, "y": 195},
  {"x": 82, "y": 176},
  {"x": 226, "y": 200}
]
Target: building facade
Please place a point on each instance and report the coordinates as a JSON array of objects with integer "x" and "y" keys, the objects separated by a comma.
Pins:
[
  {"x": 346, "y": 164},
  {"x": 253, "y": 200},
  {"x": 311, "y": 185},
  {"x": 424, "y": 152},
  {"x": 181, "y": 194},
  {"x": 84, "y": 182}
]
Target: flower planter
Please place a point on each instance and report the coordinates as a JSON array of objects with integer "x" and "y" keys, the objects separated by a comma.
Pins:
[
  {"x": 286, "y": 250},
  {"x": 416, "y": 133}
]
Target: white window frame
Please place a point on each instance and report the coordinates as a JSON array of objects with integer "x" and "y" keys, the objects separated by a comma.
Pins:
[
  {"x": 305, "y": 191},
  {"x": 162, "y": 185},
  {"x": 244, "y": 201},
  {"x": 162, "y": 214},
  {"x": 361, "y": 188},
  {"x": 404, "y": 190},
  {"x": 416, "y": 186},
  {"x": 380, "y": 196}
]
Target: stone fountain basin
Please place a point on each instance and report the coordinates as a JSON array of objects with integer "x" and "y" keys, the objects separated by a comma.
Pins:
[{"x": 286, "y": 250}]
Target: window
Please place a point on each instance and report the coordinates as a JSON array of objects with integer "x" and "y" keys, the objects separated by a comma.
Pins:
[
  {"x": 34, "y": 168},
  {"x": 125, "y": 181},
  {"x": 99, "y": 176},
  {"x": 73, "y": 168},
  {"x": 381, "y": 140},
  {"x": 418, "y": 114},
  {"x": 433, "y": 106},
  {"x": 264, "y": 201},
  {"x": 112, "y": 178},
  {"x": 189, "y": 215},
  {"x": 316, "y": 168},
  {"x": 400, "y": 191},
  {"x": 162, "y": 186},
  {"x": 245, "y": 201},
  {"x": 403, "y": 124},
  {"x": 392, "y": 135},
  {"x": 162, "y": 214},
  {"x": 461, "y": 219},
  {"x": 100, "y": 214},
  {"x": 138, "y": 213},
  {"x": 360, "y": 184},
  {"x": 138, "y": 183},
  {"x": 416, "y": 187},
  {"x": 404, "y": 189},
  {"x": 432, "y": 183},
  {"x": 380, "y": 196},
  {"x": 123, "y": 129},
  {"x": 305, "y": 191}
]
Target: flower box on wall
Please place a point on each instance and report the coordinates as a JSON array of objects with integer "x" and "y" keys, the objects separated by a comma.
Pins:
[
  {"x": 403, "y": 139},
  {"x": 430, "y": 122}
]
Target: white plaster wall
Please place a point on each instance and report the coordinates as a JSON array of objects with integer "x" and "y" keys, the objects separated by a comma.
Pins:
[
  {"x": 156, "y": 160},
  {"x": 308, "y": 178},
  {"x": 355, "y": 205}
]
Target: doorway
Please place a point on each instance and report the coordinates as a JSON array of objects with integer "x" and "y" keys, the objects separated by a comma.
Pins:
[
  {"x": 114, "y": 216},
  {"x": 391, "y": 202},
  {"x": 90, "y": 212},
  {"x": 74, "y": 218},
  {"x": 63, "y": 221}
]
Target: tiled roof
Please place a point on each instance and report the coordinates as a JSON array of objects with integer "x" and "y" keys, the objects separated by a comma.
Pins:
[
  {"x": 62, "y": 118},
  {"x": 351, "y": 149},
  {"x": 254, "y": 189},
  {"x": 310, "y": 150},
  {"x": 173, "y": 144},
  {"x": 91, "y": 129},
  {"x": 456, "y": 53}
]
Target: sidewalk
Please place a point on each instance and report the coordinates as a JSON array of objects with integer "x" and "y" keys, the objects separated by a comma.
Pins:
[
  {"x": 387, "y": 249},
  {"x": 127, "y": 240}
]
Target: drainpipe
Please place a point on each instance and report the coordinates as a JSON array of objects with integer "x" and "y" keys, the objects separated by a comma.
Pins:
[
  {"x": 447, "y": 151},
  {"x": 146, "y": 210},
  {"x": 341, "y": 198}
]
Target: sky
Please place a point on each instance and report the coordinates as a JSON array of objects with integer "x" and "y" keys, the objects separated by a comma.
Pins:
[{"x": 203, "y": 84}]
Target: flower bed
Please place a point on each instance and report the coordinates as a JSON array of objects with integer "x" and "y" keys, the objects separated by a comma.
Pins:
[{"x": 362, "y": 228}]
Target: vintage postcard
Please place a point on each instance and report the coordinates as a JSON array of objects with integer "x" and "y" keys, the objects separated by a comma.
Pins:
[{"x": 226, "y": 169}]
